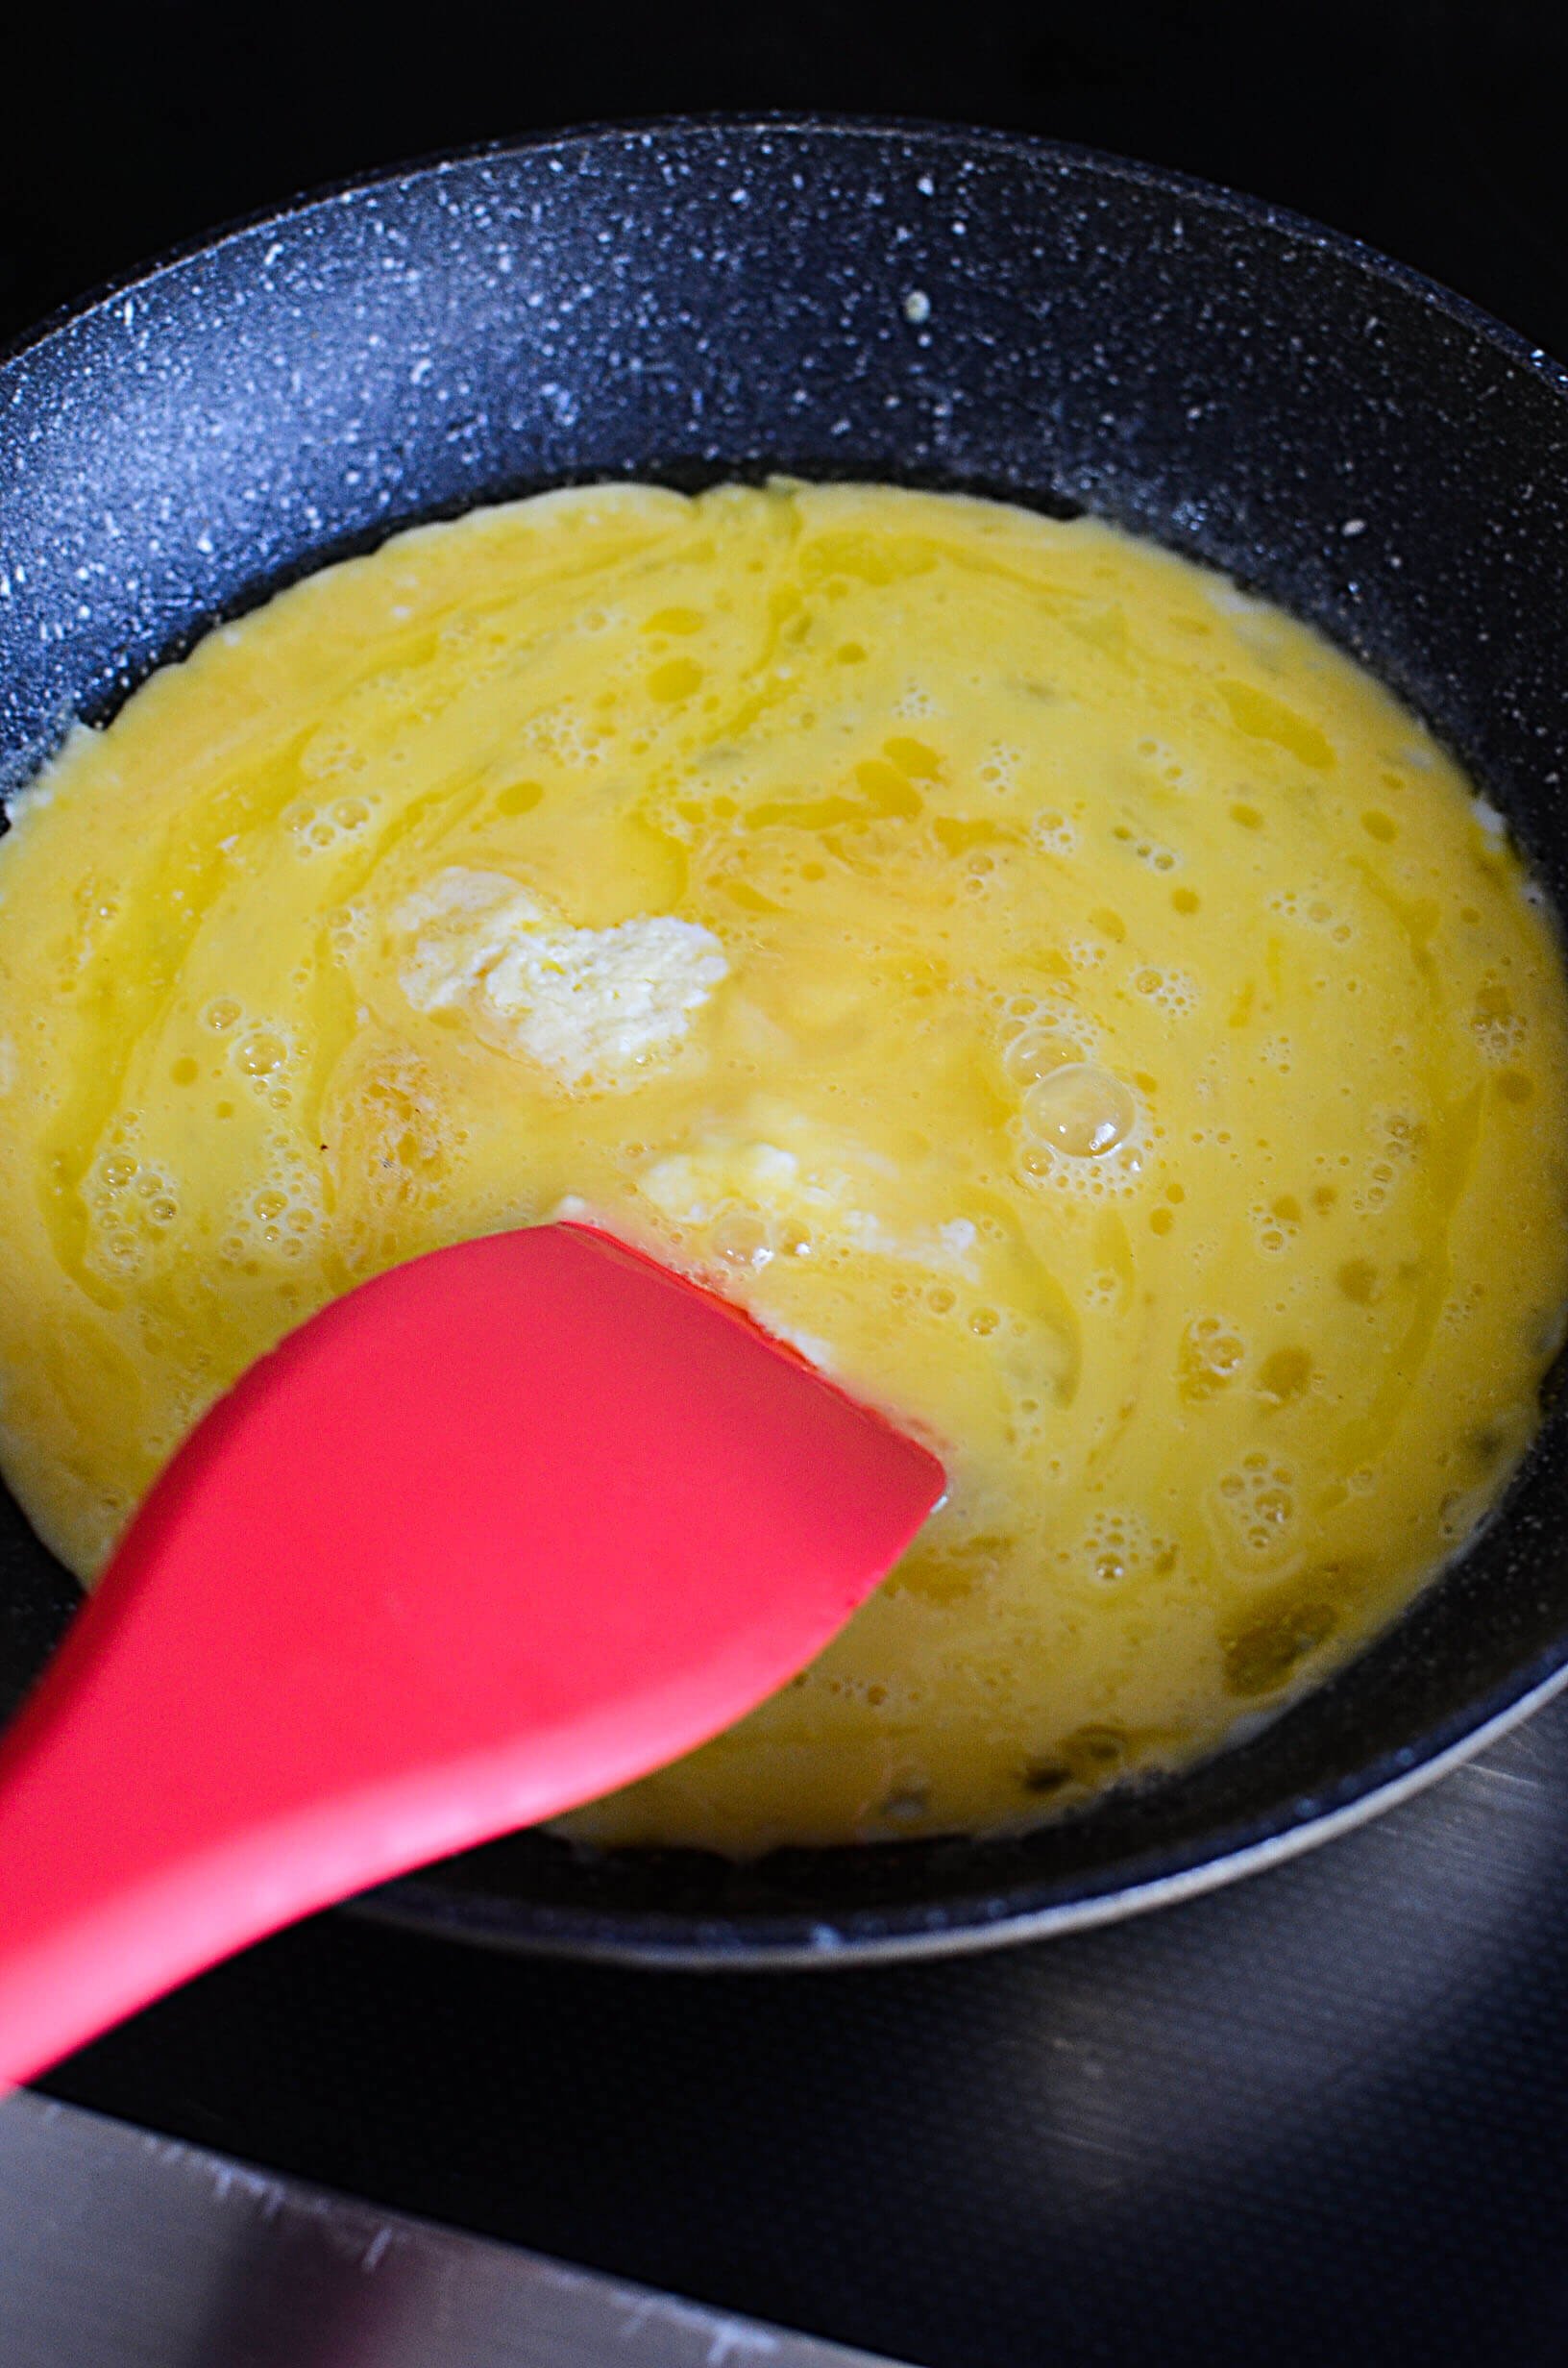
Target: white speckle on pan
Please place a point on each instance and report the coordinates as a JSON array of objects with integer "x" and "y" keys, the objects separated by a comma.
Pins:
[
  {"x": 917, "y": 306},
  {"x": 376, "y": 2250},
  {"x": 1354, "y": 526}
]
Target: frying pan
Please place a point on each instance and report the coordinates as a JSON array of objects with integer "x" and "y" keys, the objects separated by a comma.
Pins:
[{"x": 945, "y": 307}]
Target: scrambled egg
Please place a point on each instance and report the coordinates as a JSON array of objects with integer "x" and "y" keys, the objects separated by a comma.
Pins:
[
  {"x": 591, "y": 1006},
  {"x": 1063, "y": 996}
]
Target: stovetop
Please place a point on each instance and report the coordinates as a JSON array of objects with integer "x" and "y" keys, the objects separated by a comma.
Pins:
[{"x": 1323, "y": 2114}]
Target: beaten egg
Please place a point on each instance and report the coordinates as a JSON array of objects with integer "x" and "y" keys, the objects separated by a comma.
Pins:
[{"x": 1063, "y": 996}]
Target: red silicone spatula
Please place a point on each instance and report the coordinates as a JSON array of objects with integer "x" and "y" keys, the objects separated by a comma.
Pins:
[{"x": 512, "y": 1524}]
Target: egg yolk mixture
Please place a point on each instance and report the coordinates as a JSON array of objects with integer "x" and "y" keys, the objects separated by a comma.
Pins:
[{"x": 1064, "y": 996}]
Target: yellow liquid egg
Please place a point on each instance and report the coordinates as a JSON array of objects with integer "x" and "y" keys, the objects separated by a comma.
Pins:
[{"x": 1066, "y": 997}]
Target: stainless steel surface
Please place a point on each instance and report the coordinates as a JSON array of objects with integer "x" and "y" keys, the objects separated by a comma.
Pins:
[{"x": 122, "y": 2250}]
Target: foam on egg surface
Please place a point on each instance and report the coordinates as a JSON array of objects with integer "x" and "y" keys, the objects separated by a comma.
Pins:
[{"x": 1066, "y": 998}]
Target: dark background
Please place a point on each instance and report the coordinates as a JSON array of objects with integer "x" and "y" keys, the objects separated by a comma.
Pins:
[
  {"x": 1434, "y": 129},
  {"x": 1323, "y": 2115}
]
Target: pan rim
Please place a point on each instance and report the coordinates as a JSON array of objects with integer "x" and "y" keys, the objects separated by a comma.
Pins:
[
  {"x": 938, "y": 131},
  {"x": 739, "y": 1941}
]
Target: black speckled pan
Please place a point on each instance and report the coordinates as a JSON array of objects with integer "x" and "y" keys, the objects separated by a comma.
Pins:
[{"x": 946, "y": 307}]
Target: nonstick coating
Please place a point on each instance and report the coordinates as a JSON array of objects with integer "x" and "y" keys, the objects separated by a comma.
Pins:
[{"x": 945, "y": 307}]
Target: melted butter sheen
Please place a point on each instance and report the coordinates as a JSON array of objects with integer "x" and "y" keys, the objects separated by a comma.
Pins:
[{"x": 1068, "y": 999}]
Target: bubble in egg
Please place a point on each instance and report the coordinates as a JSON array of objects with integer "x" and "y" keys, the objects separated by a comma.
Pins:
[
  {"x": 1080, "y": 1110},
  {"x": 1110, "y": 1038}
]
